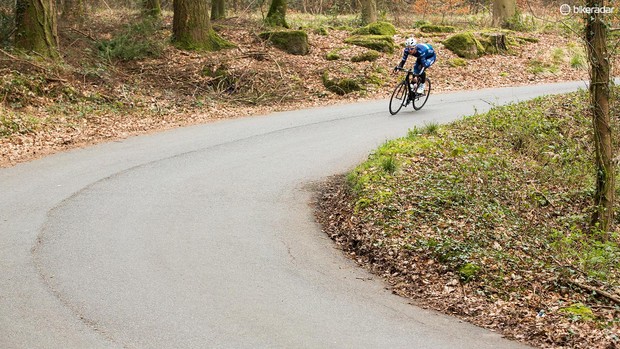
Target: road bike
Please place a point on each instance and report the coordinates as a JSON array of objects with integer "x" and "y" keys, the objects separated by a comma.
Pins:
[{"x": 406, "y": 92}]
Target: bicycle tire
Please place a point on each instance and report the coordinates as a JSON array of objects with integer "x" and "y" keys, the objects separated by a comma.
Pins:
[
  {"x": 399, "y": 98},
  {"x": 420, "y": 100}
]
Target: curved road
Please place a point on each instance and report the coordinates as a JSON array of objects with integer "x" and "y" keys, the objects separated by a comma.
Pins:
[{"x": 203, "y": 237}]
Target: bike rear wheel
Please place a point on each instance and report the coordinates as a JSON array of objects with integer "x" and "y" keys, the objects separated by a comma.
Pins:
[
  {"x": 420, "y": 99},
  {"x": 399, "y": 98}
]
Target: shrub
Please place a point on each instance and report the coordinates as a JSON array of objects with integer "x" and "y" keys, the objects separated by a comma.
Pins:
[{"x": 135, "y": 42}]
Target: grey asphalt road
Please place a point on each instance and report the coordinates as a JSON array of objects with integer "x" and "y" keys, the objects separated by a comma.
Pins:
[{"x": 203, "y": 237}]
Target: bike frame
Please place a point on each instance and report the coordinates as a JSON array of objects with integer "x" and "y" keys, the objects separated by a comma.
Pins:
[
  {"x": 402, "y": 95},
  {"x": 411, "y": 75}
]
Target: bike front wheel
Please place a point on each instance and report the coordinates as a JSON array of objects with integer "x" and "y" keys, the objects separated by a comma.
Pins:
[
  {"x": 399, "y": 98},
  {"x": 420, "y": 99}
]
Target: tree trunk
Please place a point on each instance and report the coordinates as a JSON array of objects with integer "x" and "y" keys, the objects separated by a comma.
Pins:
[
  {"x": 36, "y": 30},
  {"x": 369, "y": 11},
  {"x": 596, "y": 39},
  {"x": 152, "y": 8},
  {"x": 277, "y": 13},
  {"x": 218, "y": 9},
  {"x": 503, "y": 11},
  {"x": 73, "y": 11},
  {"x": 191, "y": 27}
]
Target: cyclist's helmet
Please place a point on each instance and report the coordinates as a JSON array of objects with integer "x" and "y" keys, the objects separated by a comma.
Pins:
[{"x": 410, "y": 42}]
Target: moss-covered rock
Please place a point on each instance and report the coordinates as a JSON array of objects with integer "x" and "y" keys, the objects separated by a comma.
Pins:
[
  {"x": 341, "y": 86},
  {"x": 430, "y": 28},
  {"x": 464, "y": 45},
  {"x": 291, "y": 41},
  {"x": 368, "y": 56},
  {"x": 332, "y": 56},
  {"x": 376, "y": 28},
  {"x": 420, "y": 23},
  {"x": 381, "y": 43}
]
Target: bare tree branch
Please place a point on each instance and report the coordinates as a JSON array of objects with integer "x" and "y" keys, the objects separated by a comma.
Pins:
[{"x": 605, "y": 294}]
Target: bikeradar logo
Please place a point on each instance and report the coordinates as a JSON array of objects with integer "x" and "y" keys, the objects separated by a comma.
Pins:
[{"x": 567, "y": 9}]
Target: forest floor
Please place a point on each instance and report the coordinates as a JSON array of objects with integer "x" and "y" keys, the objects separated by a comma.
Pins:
[
  {"x": 95, "y": 95},
  {"x": 488, "y": 219}
]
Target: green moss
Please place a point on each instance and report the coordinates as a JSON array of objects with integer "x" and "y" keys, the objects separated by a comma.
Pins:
[
  {"x": 381, "y": 43},
  {"x": 292, "y": 41},
  {"x": 578, "y": 311},
  {"x": 382, "y": 28},
  {"x": 376, "y": 28},
  {"x": 457, "y": 62},
  {"x": 322, "y": 31},
  {"x": 276, "y": 15},
  {"x": 468, "y": 271},
  {"x": 368, "y": 56},
  {"x": 135, "y": 42},
  {"x": 341, "y": 86},
  {"x": 213, "y": 43},
  {"x": 421, "y": 23},
  {"x": 429, "y": 28},
  {"x": 375, "y": 80},
  {"x": 464, "y": 45},
  {"x": 491, "y": 42},
  {"x": 332, "y": 56}
]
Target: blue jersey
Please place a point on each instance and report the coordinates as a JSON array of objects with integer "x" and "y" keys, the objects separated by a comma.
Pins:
[{"x": 425, "y": 56}]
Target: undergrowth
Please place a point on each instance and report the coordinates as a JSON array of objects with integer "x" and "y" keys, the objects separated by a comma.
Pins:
[
  {"x": 501, "y": 200},
  {"x": 136, "y": 41}
]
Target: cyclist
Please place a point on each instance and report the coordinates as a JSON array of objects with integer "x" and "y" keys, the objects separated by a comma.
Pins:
[{"x": 425, "y": 58}]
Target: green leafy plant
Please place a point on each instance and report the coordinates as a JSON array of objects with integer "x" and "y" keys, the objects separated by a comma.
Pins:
[
  {"x": 388, "y": 164},
  {"x": 135, "y": 42}
]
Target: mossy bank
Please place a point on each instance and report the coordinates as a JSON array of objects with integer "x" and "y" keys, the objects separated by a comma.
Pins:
[{"x": 489, "y": 215}]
